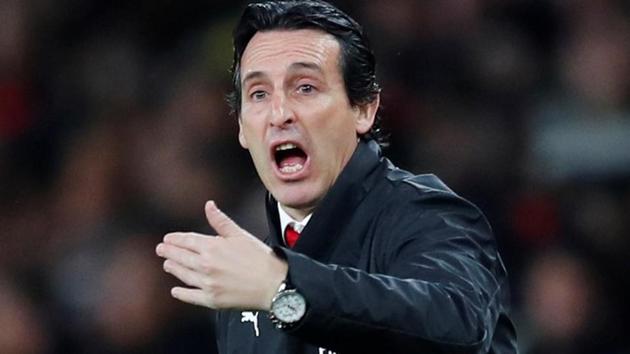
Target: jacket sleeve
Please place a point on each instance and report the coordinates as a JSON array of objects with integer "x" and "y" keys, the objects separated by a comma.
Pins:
[{"x": 441, "y": 287}]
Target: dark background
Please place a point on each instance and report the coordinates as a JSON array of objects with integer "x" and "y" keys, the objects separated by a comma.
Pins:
[{"x": 114, "y": 130}]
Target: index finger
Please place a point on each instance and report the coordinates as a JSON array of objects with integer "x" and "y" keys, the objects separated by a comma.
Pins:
[{"x": 191, "y": 241}]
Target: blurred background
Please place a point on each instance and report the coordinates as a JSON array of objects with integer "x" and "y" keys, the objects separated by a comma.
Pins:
[{"x": 114, "y": 131}]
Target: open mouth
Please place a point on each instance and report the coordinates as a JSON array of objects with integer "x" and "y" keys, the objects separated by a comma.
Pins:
[{"x": 289, "y": 158}]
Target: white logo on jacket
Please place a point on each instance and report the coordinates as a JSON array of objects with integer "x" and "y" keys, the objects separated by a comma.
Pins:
[{"x": 250, "y": 316}]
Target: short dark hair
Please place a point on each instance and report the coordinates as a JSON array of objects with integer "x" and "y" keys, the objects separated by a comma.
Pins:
[{"x": 357, "y": 61}]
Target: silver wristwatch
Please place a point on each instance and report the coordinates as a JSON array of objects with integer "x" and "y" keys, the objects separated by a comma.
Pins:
[{"x": 287, "y": 307}]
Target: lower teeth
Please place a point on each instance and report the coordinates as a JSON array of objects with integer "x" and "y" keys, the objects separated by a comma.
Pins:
[{"x": 291, "y": 168}]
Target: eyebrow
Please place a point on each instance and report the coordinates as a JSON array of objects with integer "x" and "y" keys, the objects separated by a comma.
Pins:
[
  {"x": 253, "y": 75},
  {"x": 293, "y": 67}
]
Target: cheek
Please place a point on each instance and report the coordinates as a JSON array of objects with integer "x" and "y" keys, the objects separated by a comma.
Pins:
[
  {"x": 327, "y": 115},
  {"x": 251, "y": 127},
  {"x": 339, "y": 126},
  {"x": 254, "y": 143}
]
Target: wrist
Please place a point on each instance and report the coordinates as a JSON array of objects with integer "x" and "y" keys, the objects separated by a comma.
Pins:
[{"x": 279, "y": 271}]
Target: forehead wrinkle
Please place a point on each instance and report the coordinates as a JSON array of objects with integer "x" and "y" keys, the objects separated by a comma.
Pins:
[
  {"x": 305, "y": 65},
  {"x": 292, "y": 46}
]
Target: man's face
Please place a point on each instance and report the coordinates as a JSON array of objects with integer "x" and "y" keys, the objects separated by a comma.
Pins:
[{"x": 296, "y": 119}]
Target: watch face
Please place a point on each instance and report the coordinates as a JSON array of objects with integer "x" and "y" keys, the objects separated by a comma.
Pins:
[{"x": 289, "y": 307}]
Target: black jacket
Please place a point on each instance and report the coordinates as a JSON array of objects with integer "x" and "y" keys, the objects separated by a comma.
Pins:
[{"x": 389, "y": 263}]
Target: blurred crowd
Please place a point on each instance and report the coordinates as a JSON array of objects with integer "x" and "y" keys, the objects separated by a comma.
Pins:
[{"x": 114, "y": 131}]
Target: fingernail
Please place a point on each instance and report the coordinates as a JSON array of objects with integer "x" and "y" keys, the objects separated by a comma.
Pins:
[{"x": 158, "y": 249}]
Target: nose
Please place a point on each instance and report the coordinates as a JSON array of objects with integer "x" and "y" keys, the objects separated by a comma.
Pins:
[{"x": 281, "y": 113}]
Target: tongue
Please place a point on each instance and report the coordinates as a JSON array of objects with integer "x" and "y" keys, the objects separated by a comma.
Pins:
[{"x": 292, "y": 161}]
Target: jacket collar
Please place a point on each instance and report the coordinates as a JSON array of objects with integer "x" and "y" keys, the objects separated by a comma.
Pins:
[{"x": 333, "y": 213}]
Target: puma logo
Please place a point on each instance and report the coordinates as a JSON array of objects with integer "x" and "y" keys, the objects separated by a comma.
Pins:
[{"x": 250, "y": 316}]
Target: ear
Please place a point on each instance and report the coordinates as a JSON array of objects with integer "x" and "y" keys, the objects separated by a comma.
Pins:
[
  {"x": 241, "y": 135},
  {"x": 366, "y": 114}
]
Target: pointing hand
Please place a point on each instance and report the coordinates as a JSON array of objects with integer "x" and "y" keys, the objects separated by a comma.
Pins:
[{"x": 233, "y": 269}]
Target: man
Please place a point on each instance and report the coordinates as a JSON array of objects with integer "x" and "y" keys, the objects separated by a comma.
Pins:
[{"x": 385, "y": 262}]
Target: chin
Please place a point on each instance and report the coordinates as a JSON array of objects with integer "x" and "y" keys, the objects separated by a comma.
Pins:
[{"x": 296, "y": 198}]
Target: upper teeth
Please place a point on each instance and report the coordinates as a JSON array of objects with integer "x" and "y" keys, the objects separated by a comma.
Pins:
[{"x": 285, "y": 146}]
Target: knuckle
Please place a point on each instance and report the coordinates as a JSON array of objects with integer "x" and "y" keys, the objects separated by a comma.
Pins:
[
  {"x": 217, "y": 299},
  {"x": 208, "y": 285},
  {"x": 209, "y": 302},
  {"x": 206, "y": 266},
  {"x": 213, "y": 292},
  {"x": 224, "y": 222}
]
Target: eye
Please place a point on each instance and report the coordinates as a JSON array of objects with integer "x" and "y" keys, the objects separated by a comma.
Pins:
[
  {"x": 258, "y": 95},
  {"x": 306, "y": 89}
]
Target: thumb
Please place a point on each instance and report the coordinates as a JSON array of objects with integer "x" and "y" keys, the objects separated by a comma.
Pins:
[{"x": 221, "y": 223}]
